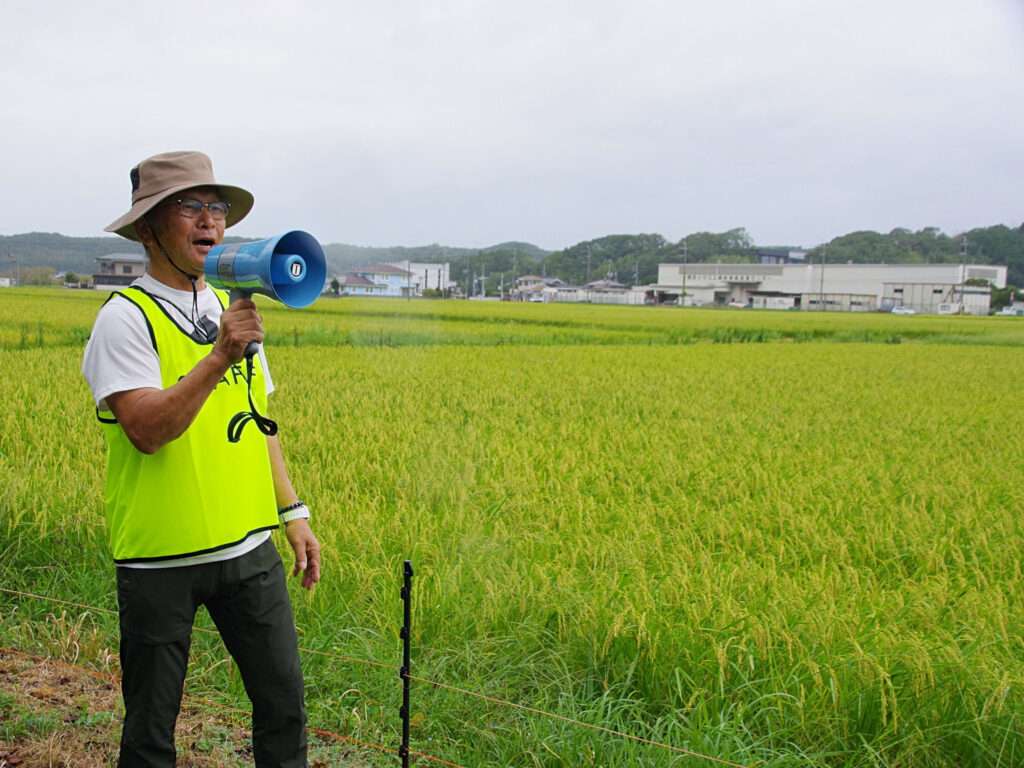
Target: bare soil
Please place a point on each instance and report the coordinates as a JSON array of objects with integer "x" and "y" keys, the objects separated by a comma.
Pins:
[{"x": 55, "y": 716}]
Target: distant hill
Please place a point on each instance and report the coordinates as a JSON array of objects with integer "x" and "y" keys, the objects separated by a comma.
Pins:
[
  {"x": 79, "y": 254},
  {"x": 631, "y": 259},
  {"x": 343, "y": 257},
  {"x": 61, "y": 253}
]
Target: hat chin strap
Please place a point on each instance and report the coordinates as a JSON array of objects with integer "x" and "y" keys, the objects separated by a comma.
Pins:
[
  {"x": 194, "y": 318},
  {"x": 152, "y": 231}
]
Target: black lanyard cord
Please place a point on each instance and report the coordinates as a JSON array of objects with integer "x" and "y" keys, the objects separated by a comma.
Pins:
[{"x": 267, "y": 426}]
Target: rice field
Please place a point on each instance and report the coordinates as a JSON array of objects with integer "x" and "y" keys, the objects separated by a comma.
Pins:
[{"x": 782, "y": 539}]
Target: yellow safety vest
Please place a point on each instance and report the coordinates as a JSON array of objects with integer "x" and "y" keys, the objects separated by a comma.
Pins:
[{"x": 199, "y": 493}]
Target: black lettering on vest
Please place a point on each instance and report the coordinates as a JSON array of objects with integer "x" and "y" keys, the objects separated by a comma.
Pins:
[{"x": 237, "y": 373}]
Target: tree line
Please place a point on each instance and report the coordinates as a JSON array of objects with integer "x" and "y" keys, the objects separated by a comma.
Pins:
[
  {"x": 628, "y": 259},
  {"x": 634, "y": 259}
]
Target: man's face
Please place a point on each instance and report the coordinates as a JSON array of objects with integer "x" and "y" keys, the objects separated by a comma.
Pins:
[{"x": 188, "y": 240}]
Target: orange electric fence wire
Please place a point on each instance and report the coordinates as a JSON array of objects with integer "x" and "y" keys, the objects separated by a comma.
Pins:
[{"x": 438, "y": 685}]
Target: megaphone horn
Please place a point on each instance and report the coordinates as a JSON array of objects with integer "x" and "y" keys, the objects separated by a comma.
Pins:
[{"x": 290, "y": 268}]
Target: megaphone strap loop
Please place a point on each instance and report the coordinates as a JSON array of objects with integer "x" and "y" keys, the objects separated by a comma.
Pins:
[{"x": 267, "y": 426}]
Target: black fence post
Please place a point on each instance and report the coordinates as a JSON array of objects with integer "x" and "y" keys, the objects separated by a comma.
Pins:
[{"x": 406, "y": 635}]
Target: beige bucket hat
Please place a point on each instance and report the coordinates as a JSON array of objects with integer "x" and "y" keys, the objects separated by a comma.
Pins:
[{"x": 158, "y": 177}]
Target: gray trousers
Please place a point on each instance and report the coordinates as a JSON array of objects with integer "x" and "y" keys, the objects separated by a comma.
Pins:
[{"x": 248, "y": 601}]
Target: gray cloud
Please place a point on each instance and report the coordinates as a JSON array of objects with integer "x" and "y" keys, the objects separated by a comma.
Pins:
[{"x": 473, "y": 122}]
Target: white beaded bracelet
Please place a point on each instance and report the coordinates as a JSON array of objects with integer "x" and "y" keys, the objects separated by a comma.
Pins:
[{"x": 297, "y": 513}]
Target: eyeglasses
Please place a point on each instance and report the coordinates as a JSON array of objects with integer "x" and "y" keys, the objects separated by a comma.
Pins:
[{"x": 191, "y": 208}]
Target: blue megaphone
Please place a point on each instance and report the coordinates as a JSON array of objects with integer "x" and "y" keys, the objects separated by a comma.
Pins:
[{"x": 290, "y": 268}]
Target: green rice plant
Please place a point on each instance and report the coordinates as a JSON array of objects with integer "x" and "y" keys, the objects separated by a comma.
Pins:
[
  {"x": 764, "y": 551},
  {"x": 31, "y": 318},
  {"x": 383, "y": 322},
  {"x": 741, "y": 539}
]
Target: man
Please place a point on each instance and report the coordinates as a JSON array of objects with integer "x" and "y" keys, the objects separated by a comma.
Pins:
[{"x": 190, "y": 511}]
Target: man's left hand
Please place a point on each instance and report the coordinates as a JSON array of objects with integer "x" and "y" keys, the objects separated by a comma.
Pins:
[{"x": 307, "y": 551}]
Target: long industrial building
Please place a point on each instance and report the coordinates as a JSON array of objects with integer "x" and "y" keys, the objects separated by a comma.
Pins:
[{"x": 925, "y": 288}]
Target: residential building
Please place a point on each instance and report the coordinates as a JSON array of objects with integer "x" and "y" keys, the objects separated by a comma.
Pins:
[
  {"x": 378, "y": 280},
  {"x": 426, "y": 276},
  {"x": 536, "y": 288},
  {"x": 605, "y": 284},
  {"x": 116, "y": 270}
]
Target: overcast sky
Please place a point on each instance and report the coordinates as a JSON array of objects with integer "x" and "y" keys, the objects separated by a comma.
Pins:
[{"x": 472, "y": 122}]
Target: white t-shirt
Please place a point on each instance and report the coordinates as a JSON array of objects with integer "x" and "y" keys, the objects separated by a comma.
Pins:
[{"x": 119, "y": 356}]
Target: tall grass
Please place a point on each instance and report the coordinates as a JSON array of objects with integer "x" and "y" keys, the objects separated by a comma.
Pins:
[
  {"x": 735, "y": 534},
  {"x": 798, "y": 554}
]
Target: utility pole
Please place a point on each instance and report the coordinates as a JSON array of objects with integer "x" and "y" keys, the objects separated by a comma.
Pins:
[
  {"x": 444, "y": 274},
  {"x": 598, "y": 247},
  {"x": 682, "y": 295},
  {"x": 512, "y": 285},
  {"x": 821, "y": 281},
  {"x": 963, "y": 270}
]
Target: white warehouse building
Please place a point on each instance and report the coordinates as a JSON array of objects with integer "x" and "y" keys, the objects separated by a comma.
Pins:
[{"x": 926, "y": 288}]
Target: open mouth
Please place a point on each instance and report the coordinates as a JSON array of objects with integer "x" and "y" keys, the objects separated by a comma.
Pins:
[{"x": 204, "y": 242}]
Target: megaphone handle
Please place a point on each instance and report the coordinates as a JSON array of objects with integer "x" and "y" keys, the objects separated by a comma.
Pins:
[{"x": 237, "y": 293}]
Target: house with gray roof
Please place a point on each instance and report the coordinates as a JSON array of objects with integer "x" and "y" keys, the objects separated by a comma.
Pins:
[
  {"x": 378, "y": 280},
  {"x": 117, "y": 270}
]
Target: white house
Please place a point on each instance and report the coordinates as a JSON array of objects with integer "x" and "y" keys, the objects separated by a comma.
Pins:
[
  {"x": 426, "y": 276},
  {"x": 378, "y": 280}
]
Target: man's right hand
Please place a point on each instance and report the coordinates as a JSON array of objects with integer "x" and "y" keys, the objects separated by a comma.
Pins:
[{"x": 240, "y": 324}]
